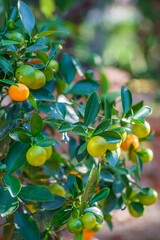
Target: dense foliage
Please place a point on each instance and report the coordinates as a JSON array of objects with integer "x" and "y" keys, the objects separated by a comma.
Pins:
[{"x": 64, "y": 157}]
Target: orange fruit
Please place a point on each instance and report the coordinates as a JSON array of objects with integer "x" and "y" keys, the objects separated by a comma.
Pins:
[
  {"x": 87, "y": 234},
  {"x": 74, "y": 172},
  {"x": 130, "y": 140},
  {"x": 20, "y": 93}
]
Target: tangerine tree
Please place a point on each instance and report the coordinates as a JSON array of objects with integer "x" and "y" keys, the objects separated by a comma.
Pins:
[{"x": 64, "y": 148}]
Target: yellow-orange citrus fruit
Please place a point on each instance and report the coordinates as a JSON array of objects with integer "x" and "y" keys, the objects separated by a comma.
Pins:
[
  {"x": 123, "y": 134},
  {"x": 141, "y": 130},
  {"x": 75, "y": 173},
  {"x": 49, "y": 151},
  {"x": 149, "y": 198},
  {"x": 130, "y": 140},
  {"x": 135, "y": 213},
  {"x": 97, "y": 146},
  {"x": 20, "y": 93},
  {"x": 87, "y": 234},
  {"x": 88, "y": 221},
  {"x": 145, "y": 154},
  {"x": 36, "y": 156},
  {"x": 113, "y": 146}
]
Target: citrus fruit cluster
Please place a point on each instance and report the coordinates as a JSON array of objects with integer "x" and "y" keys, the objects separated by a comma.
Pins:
[
  {"x": 145, "y": 199},
  {"x": 29, "y": 77},
  {"x": 87, "y": 223},
  {"x": 37, "y": 155}
]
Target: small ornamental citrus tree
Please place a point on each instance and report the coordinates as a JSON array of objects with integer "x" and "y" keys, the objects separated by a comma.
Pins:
[{"x": 48, "y": 185}]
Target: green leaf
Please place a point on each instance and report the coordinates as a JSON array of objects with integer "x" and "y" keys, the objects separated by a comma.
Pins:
[
  {"x": 104, "y": 125},
  {"x": 126, "y": 97},
  {"x": 8, "y": 42},
  {"x": 61, "y": 217},
  {"x": 26, "y": 16},
  {"x": 32, "y": 101},
  {"x": 13, "y": 184},
  {"x": 42, "y": 57},
  {"x": 143, "y": 112},
  {"x": 74, "y": 185},
  {"x": 48, "y": 142},
  {"x": 109, "y": 203},
  {"x": 102, "y": 194},
  {"x": 16, "y": 157},
  {"x": 97, "y": 213},
  {"x": 15, "y": 134},
  {"x": 92, "y": 108},
  {"x": 84, "y": 87},
  {"x": 6, "y": 128},
  {"x": 104, "y": 81},
  {"x": 35, "y": 47},
  {"x": 47, "y": 33},
  {"x": 8, "y": 82},
  {"x": 36, "y": 124},
  {"x": 90, "y": 187},
  {"x": 79, "y": 131},
  {"x": 112, "y": 157},
  {"x": 107, "y": 109},
  {"x": 43, "y": 94},
  {"x": 65, "y": 127},
  {"x": 111, "y": 97},
  {"x": 69, "y": 71},
  {"x": 8, "y": 204},
  {"x": 5, "y": 64},
  {"x": 36, "y": 193},
  {"x": 112, "y": 137},
  {"x": 7, "y": 8},
  {"x": 26, "y": 226},
  {"x": 55, "y": 204},
  {"x": 82, "y": 148},
  {"x": 47, "y": 7},
  {"x": 138, "y": 207}
]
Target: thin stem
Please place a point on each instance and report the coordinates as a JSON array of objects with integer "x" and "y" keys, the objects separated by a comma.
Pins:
[
  {"x": 5, "y": 224},
  {"x": 49, "y": 171}
]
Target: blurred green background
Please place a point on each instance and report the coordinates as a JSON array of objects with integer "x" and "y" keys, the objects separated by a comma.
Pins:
[{"x": 120, "y": 33}]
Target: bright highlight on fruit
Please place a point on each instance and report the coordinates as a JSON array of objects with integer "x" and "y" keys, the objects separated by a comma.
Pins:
[
  {"x": 20, "y": 93},
  {"x": 97, "y": 146}
]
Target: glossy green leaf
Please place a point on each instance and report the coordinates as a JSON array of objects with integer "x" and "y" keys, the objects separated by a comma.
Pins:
[
  {"x": 43, "y": 94},
  {"x": 36, "y": 193},
  {"x": 14, "y": 134},
  {"x": 92, "y": 108},
  {"x": 111, "y": 157},
  {"x": 90, "y": 187},
  {"x": 13, "y": 184},
  {"x": 143, "y": 112},
  {"x": 109, "y": 203},
  {"x": 102, "y": 194},
  {"x": 84, "y": 87},
  {"x": 61, "y": 217},
  {"x": 32, "y": 101},
  {"x": 48, "y": 142},
  {"x": 65, "y": 127},
  {"x": 36, "y": 124},
  {"x": 8, "y": 82},
  {"x": 26, "y": 226},
  {"x": 47, "y": 33},
  {"x": 35, "y": 47},
  {"x": 6, "y": 128},
  {"x": 104, "y": 125},
  {"x": 26, "y": 16},
  {"x": 7, "y": 8},
  {"x": 107, "y": 109},
  {"x": 74, "y": 184},
  {"x": 5, "y": 64},
  {"x": 42, "y": 56},
  {"x": 69, "y": 71},
  {"x": 79, "y": 131},
  {"x": 8, "y": 204},
  {"x": 126, "y": 98},
  {"x": 16, "y": 157},
  {"x": 55, "y": 204},
  {"x": 138, "y": 207},
  {"x": 112, "y": 137}
]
